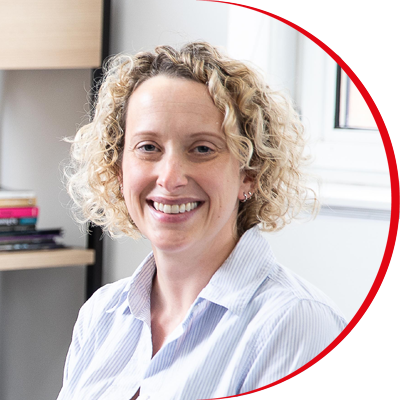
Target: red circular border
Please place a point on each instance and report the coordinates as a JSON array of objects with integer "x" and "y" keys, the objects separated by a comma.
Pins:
[{"x": 395, "y": 193}]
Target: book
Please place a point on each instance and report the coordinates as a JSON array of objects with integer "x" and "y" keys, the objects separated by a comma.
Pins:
[
  {"x": 30, "y": 240},
  {"x": 17, "y": 198},
  {"x": 31, "y": 246},
  {"x": 17, "y": 202},
  {"x": 17, "y": 224},
  {"x": 18, "y": 219},
  {"x": 16, "y": 194},
  {"x": 19, "y": 212},
  {"x": 52, "y": 232}
]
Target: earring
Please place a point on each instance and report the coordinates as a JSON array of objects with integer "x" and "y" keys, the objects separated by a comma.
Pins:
[
  {"x": 246, "y": 197},
  {"x": 121, "y": 189}
]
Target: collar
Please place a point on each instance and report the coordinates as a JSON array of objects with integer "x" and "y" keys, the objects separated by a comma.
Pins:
[
  {"x": 232, "y": 286},
  {"x": 135, "y": 296}
]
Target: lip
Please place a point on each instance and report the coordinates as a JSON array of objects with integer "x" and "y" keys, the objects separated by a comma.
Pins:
[{"x": 172, "y": 218}]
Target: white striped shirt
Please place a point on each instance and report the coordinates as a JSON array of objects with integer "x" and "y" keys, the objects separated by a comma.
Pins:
[{"x": 254, "y": 323}]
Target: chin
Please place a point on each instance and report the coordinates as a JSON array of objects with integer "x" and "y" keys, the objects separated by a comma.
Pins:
[{"x": 171, "y": 242}]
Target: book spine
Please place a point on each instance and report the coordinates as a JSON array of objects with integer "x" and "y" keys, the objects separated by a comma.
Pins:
[
  {"x": 23, "y": 212},
  {"x": 27, "y": 239},
  {"x": 54, "y": 232},
  {"x": 30, "y": 246},
  {"x": 17, "y": 221},
  {"x": 16, "y": 202},
  {"x": 16, "y": 194},
  {"x": 16, "y": 228}
]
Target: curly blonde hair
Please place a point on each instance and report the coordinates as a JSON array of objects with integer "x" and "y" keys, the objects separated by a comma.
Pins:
[{"x": 269, "y": 142}]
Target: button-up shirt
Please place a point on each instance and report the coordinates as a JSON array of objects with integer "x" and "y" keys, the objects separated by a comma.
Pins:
[{"x": 254, "y": 323}]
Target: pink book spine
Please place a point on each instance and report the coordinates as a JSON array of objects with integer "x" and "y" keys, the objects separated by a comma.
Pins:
[{"x": 19, "y": 212}]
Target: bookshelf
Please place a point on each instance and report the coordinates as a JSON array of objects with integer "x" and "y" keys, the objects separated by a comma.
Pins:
[
  {"x": 42, "y": 291},
  {"x": 56, "y": 34}
]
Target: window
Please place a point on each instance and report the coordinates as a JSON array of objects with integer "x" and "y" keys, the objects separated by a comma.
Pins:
[
  {"x": 349, "y": 154},
  {"x": 351, "y": 110}
]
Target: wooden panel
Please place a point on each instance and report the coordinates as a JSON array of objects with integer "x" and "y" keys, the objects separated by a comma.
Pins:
[
  {"x": 36, "y": 34},
  {"x": 45, "y": 259}
]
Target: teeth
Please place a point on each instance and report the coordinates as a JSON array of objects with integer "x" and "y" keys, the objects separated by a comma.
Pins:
[{"x": 175, "y": 208}]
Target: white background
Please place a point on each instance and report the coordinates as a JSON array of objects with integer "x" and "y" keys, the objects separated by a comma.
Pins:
[{"x": 365, "y": 35}]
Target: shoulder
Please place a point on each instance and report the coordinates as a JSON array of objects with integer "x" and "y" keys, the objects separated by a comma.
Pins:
[
  {"x": 290, "y": 284},
  {"x": 291, "y": 303},
  {"x": 291, "y": 323},
  {"x": 106, "y": 298},
  {"x": 109, "y": 293}
]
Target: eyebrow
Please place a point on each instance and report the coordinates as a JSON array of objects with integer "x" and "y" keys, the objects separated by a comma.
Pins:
[
  {"x": 191, "y": 135},
  {"x": 207, "y": 133}
]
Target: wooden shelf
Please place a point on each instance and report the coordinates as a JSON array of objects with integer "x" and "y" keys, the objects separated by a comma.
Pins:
[
  {"x": 50, "y": 34},
  {"x": 45, "y": 259}
]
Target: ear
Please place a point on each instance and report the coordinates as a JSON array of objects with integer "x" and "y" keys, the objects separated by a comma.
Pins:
[{"x": 246, "y": 186}]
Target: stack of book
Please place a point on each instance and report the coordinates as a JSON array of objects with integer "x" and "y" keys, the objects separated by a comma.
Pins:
[{"x": 18, "y": 219}]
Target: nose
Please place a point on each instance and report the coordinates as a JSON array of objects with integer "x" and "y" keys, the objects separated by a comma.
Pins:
[{"x": 172, "y": 173}]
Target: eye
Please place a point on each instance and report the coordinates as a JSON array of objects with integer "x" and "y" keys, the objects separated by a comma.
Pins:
[
  {"x": 203, "y": 150},
  {"x": 148, "y": 148}
]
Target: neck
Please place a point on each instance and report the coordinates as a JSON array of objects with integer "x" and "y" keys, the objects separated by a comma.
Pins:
[{"x": 182, "y": 275}]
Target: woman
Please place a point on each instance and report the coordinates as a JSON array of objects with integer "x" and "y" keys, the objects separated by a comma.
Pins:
[{"x": 191, "y": 149}]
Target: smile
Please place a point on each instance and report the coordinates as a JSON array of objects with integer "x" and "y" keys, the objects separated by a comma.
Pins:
[{"x": 175, "y": 208}]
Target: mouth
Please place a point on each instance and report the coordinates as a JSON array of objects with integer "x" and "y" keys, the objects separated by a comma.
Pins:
[{"x": 174, "y": 208}]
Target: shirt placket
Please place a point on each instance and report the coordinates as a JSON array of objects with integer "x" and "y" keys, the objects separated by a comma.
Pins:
[
  {"x": 131, "y": 378},
  {"x": 150, "y": 391}
]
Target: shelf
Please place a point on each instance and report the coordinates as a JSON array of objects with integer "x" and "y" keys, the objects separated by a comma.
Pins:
[
  {"x": 45, "y": 259},
  {"x": 50, "y": 34}
]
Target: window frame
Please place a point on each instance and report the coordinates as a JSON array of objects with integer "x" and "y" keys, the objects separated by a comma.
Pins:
[
  {"x": 351, "y": 163},
  {"x": 338, "y": 105}
]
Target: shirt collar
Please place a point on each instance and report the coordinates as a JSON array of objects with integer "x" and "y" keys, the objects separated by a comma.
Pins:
[
  {"x": 232, "y": 286},
  {"x": 136, "y": 293},
  {"x": 140, "y": 289},
  {"x": 236, "y": 281}
]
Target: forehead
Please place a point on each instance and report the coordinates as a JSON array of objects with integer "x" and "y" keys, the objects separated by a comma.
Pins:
[{"x": 175, "y": 100}]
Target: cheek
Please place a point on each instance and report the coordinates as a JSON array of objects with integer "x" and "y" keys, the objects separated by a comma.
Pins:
[
  {"x": 224, "y": 184},
  {"x": 135, "y": 178}
]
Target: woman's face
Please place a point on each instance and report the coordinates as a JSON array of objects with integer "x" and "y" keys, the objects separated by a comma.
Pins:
[{"x": 181, "y": 184}]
